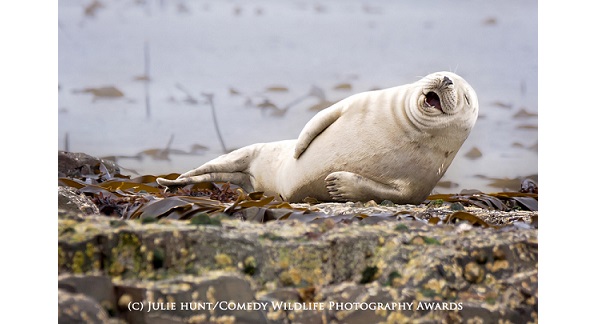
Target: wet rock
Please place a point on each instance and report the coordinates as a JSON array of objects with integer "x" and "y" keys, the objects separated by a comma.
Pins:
[
  {"x": 349, "y": 271},
  {"x": 79, "y": 308},
  {"x": 97, "y": 287},
  {"x": 215, "y": 297},
  {"x": 282, "y": 294},
  {"x": 279, "y": 262},
  {"x": 352, "y": 305},
  {"x": 77, "y": 165},
  {"x": 473, "y": 272},
  {"x": 528, "y": 186},
  {"x": 70, "y": 200}
]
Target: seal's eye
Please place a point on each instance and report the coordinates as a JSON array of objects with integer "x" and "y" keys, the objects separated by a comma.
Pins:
[{"x": 467, "y": 99}]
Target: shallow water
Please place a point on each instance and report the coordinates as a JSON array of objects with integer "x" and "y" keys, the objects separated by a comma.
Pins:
[{"x": 254, "y": 56}]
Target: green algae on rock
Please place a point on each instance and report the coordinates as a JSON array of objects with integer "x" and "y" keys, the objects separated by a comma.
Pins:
[{"x": 472, "y": 266}]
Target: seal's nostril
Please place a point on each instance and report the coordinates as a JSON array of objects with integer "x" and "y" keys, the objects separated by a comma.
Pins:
[{"x": 447, "y": 81}]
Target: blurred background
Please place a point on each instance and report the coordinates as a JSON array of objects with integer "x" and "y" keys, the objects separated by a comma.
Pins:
[{"x": 163, "y": 86}]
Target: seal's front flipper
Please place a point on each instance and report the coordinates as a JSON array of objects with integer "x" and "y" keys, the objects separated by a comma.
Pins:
[
  {"x": 348, "y": 186},
  {"x": 316, "y": 126}
]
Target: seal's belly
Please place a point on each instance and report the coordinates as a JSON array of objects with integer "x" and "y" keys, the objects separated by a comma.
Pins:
[{"x": 380, "y": 154}]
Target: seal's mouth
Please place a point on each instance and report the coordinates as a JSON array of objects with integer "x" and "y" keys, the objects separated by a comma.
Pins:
[{"x": 433, "y": 100}]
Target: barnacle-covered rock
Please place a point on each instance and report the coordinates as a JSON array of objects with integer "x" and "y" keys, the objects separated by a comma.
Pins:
[
  {"x": 488, "y": 273},
  {"x": 79, "y": 308}
]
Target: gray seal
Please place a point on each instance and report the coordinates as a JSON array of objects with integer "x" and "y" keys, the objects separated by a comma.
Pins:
[{"x": 392, "y": 144}]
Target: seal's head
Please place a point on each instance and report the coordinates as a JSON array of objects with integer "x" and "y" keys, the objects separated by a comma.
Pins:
[{"x": 443, "y": 100}]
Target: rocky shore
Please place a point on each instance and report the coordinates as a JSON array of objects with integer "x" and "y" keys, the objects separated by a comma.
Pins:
[{"x": 386, "y": 264}]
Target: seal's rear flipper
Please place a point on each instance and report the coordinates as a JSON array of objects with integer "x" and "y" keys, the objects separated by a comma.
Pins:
[
  {"x": 235, "y": 161},
  {"x": 231, "y": 167},
  {"x": 239, "y": 178}
]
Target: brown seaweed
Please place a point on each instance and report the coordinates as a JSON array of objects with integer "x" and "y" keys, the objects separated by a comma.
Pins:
[{"x": 141, "y": 198}]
